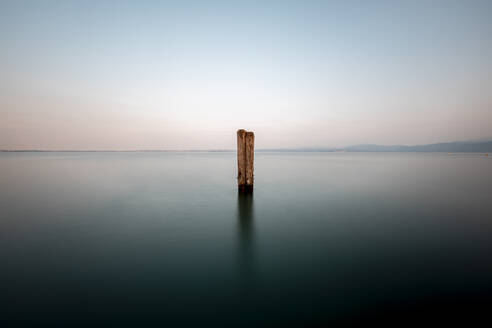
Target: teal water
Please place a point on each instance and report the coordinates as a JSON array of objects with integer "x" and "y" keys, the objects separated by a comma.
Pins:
[{"x": 146, "y": 239}]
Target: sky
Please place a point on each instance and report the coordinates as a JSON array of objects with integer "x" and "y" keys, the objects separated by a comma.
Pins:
[{"x": 125, "y": 75}]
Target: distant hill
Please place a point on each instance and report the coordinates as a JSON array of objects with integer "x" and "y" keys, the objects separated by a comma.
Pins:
[
  {"x": 474, "y": 146},
  {"x": 448, "y": 147}
]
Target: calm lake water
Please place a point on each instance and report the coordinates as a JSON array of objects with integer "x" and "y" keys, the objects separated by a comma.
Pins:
[{"x": 163, "y": 239}]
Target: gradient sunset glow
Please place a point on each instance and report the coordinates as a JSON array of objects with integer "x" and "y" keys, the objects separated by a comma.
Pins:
[{"x": 125, "y": 75}]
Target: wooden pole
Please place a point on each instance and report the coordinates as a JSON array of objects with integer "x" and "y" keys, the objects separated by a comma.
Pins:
[{"x": 245, "y": 160}]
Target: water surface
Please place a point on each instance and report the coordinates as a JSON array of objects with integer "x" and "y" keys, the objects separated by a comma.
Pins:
[{"x": 146, "y": 238}]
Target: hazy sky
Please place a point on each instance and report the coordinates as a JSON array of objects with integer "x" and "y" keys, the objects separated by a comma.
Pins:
[{"x": 188, "y": 74}]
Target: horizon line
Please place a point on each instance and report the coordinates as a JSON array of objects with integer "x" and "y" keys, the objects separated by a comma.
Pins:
[{"x": 295, "y": 149}]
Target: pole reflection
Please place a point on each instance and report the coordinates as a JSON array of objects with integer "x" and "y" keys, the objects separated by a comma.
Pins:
[{"x": 246, "y": 238}]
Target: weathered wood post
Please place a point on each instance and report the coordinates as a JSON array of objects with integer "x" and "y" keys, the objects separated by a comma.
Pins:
[{"x": 245, "y": 160}]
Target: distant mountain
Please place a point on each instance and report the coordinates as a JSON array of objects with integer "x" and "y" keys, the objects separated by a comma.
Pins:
[
  {"x": 473, "y": 146},
  {"x": 447, "y": 147}
]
